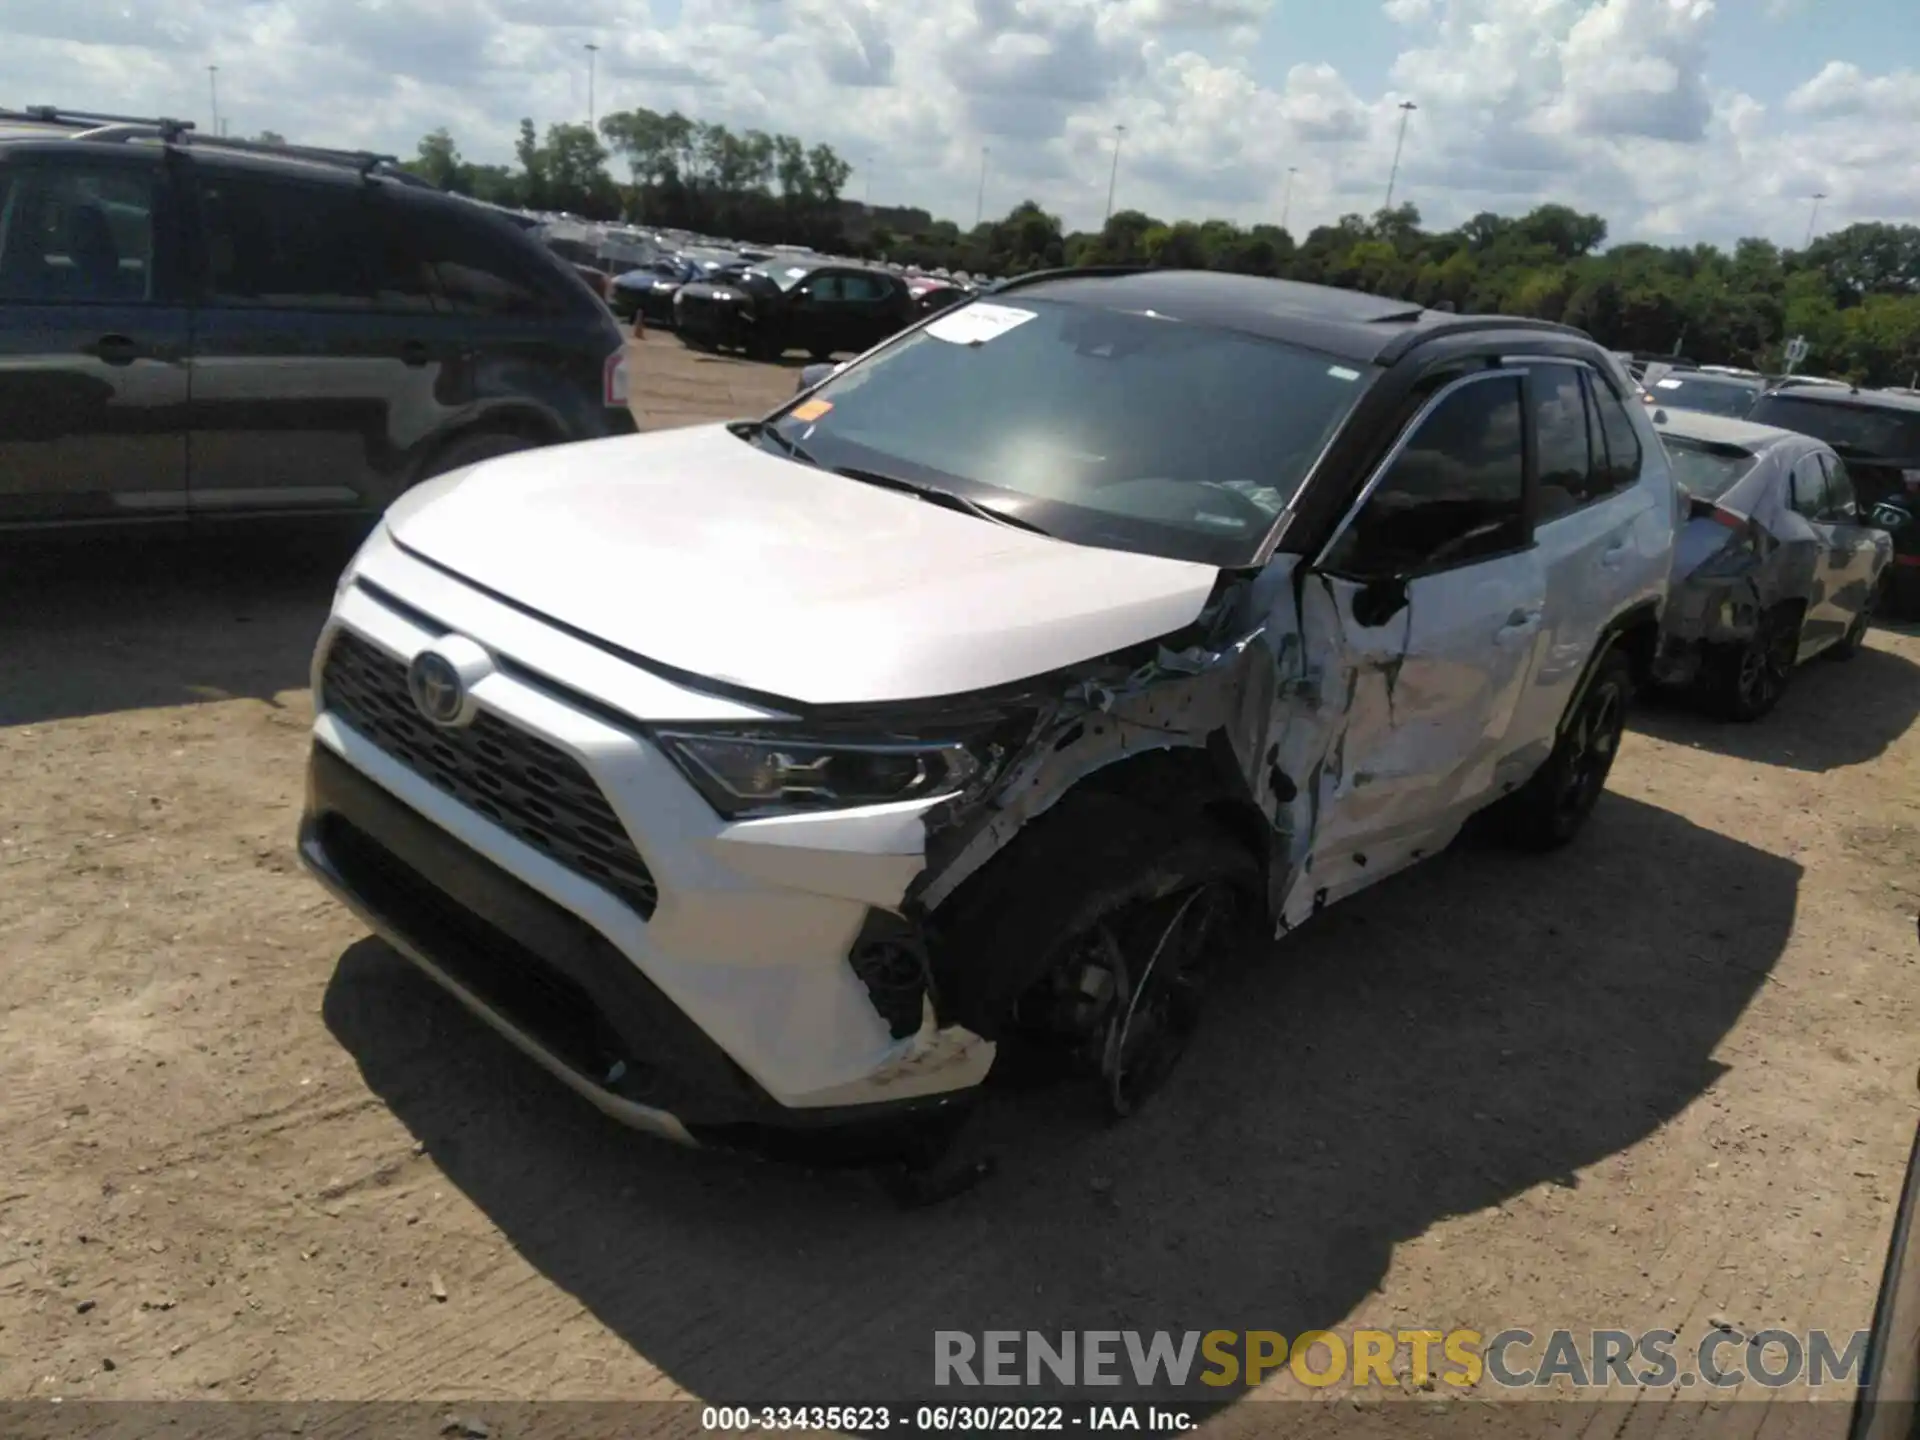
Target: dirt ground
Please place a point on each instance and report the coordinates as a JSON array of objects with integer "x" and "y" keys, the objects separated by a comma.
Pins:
[{"x": 1664, "y": 1078}]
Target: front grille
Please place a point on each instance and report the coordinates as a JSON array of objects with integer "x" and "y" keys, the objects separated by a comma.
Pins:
[{"x": 528, "y": 787}]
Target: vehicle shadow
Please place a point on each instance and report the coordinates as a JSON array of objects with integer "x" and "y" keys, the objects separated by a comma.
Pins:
[
  {"x": 1833, "y": 715},
  {"x": 1476, "y": 1027},
  {"x": 100, "y": 626}
]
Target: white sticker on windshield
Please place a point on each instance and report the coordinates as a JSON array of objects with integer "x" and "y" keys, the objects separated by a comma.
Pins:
[
  {"x": 1667, "y": 384},
  {"x": 977, "y": 323},
  {"x": 796, "y": 272},
  {"x": 1341, "y": 372}
]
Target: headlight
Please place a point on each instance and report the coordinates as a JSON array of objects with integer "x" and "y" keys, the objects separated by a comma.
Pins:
[{"x": 758, "y": 774}]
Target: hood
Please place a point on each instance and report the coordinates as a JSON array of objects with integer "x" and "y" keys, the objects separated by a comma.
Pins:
[{"x": 703, "y": 552}]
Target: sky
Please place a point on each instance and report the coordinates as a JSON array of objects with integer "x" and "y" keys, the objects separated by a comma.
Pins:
[{"x": 1677, "y": 120}]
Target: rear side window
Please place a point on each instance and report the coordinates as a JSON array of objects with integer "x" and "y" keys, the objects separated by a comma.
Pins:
[
  {"x": 1562, "y": 440},
  {"x": 402, "y": 277},
  {"x": 1453, "y": 496},
  {"x": 81, "y": 234},
  {"x": 1840, "y": 497},
  {"x": 1809, "y": 487},
  {"x": 1618, "y": 439},
  {"x": 285, "y": 243},
  {"x": 478, "y": 269}
]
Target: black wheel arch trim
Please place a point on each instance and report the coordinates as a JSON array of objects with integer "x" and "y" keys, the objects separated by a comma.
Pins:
[{"x": 1644, "y": 614}]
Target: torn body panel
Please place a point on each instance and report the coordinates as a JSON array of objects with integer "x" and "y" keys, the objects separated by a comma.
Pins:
[
  {"x": 1352, "y": 728},
  {"x": 1726, "y": 580}
]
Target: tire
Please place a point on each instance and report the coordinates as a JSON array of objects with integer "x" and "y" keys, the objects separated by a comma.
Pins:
[
  {"x": 471, "y": 449},
  {"x": 1746, "y": 681},
  {"x": 1552, "y": 807},
  {"x": 1851, "y": 644},
  {"x": 1164, "y": 891}
]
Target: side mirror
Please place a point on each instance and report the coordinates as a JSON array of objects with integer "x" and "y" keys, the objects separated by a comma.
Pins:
[
  {"x": 1378, "y": 601},
  {"x": 819, "y": 374}
]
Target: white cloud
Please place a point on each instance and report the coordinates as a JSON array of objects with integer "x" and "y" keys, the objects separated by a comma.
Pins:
[
  {"x": 1603, "y": 104},
  {"x": 1842, "y": 89}
]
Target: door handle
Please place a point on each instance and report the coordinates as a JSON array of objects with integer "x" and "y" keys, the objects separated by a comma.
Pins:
[
  {"x": 115, "y": 349},
  {"x": 1520, "y": 624},
  {"x": 1614, "y": 556},
  {"x": 413, "y": 352}
]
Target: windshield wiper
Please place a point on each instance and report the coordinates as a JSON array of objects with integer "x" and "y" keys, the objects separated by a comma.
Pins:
[
  {"x": 764, "y": 430},
  {"x": 934, "y": 495}
]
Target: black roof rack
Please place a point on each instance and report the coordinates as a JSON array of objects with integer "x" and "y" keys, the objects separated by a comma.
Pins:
[
  {"x": 91, "y": 125},
  {"x": 91, "y": 119}
]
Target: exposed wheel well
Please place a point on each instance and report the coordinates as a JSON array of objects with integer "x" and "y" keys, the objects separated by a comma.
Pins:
[
  {"x": 1639, "y": 640},
  {"x": 520, "y": 424}
]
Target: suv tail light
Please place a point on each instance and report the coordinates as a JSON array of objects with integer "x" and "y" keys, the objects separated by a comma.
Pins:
[{"x": 614, "y": 387}]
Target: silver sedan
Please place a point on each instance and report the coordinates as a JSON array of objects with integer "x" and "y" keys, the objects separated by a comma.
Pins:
[{"x": 1774, "y": 564}]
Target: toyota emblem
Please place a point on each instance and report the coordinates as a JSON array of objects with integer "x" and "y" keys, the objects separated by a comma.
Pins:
[{"x": 437, "y": 689}]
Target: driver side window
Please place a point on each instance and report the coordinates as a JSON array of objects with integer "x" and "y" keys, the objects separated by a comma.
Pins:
[{"x": 1454, "y": 494}]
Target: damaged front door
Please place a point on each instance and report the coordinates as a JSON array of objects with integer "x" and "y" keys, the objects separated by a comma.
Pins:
[{"x": 1437, "y": 596}]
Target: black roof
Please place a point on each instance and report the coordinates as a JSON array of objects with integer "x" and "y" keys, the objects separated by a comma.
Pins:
[
  {"x": 1347, "y": 324},
  {"x": 1834, "y": 395}
]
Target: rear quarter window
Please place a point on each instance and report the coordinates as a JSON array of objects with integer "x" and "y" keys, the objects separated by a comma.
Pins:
[{"x": 477, "y": 266}]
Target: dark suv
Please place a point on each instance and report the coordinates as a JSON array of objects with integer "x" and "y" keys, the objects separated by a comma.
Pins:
[
  {"x": 794, "y": 302},
  {"x": 196, "y": 328}
]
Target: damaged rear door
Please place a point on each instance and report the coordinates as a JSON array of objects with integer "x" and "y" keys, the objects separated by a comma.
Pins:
[{"x": 1432, "y": 596}]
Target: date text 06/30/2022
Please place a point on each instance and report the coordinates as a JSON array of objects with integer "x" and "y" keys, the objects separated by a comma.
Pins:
[{"x": 937, "y": 1419}]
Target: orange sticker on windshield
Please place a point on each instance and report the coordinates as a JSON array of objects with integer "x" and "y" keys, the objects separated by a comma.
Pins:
[{"x": 812, "y": 409}]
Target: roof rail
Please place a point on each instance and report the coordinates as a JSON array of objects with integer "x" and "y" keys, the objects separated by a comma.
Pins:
[
  {"x": 365, "y": 161},
  {"x": 92, "y": 125},
  {"x": 86, "y": 119}
]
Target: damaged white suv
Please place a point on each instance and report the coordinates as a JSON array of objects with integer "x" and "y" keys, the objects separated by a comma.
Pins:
[{"x": 766, "y": 780}]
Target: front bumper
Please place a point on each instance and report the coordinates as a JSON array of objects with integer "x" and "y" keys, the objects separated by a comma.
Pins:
[
  {"x": 715, "y": 323},
  {"x": 727, "y": 1005},
  {"x": 561, "y": 993}
]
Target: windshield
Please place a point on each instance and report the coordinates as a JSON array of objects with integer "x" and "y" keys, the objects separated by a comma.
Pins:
[
  {"x": 1130, "y": 431},
  {"x": 1854, "y": 430},
  {"x": 1706, "y": 469},
  {"x": 1715, "y": 397}
]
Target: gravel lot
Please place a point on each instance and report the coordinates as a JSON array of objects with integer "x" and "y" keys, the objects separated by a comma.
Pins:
[{"x": 1665, "y": 1076}]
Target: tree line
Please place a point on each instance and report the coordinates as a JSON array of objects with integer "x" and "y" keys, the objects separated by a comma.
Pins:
[{"x": 1854, "y": 294}]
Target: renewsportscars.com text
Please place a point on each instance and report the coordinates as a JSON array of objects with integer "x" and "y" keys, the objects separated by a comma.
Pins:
[{"x": 1509, "y": 1359}]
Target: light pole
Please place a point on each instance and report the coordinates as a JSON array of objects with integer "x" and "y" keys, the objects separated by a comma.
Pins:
[
  {"x": 1119, "y": 133},
  {"x": 213, "y": 96},
  {"x": 1814, "y": 218},
  {"x": 980, "y": 201},
  {"x": 1407, "y": 107},
  {"x": 1286, "y": 205},
  {"x": 593, "y": 52}
]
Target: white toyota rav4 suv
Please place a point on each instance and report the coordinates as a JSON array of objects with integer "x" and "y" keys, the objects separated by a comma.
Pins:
[{"x": 766, "y": 780}]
